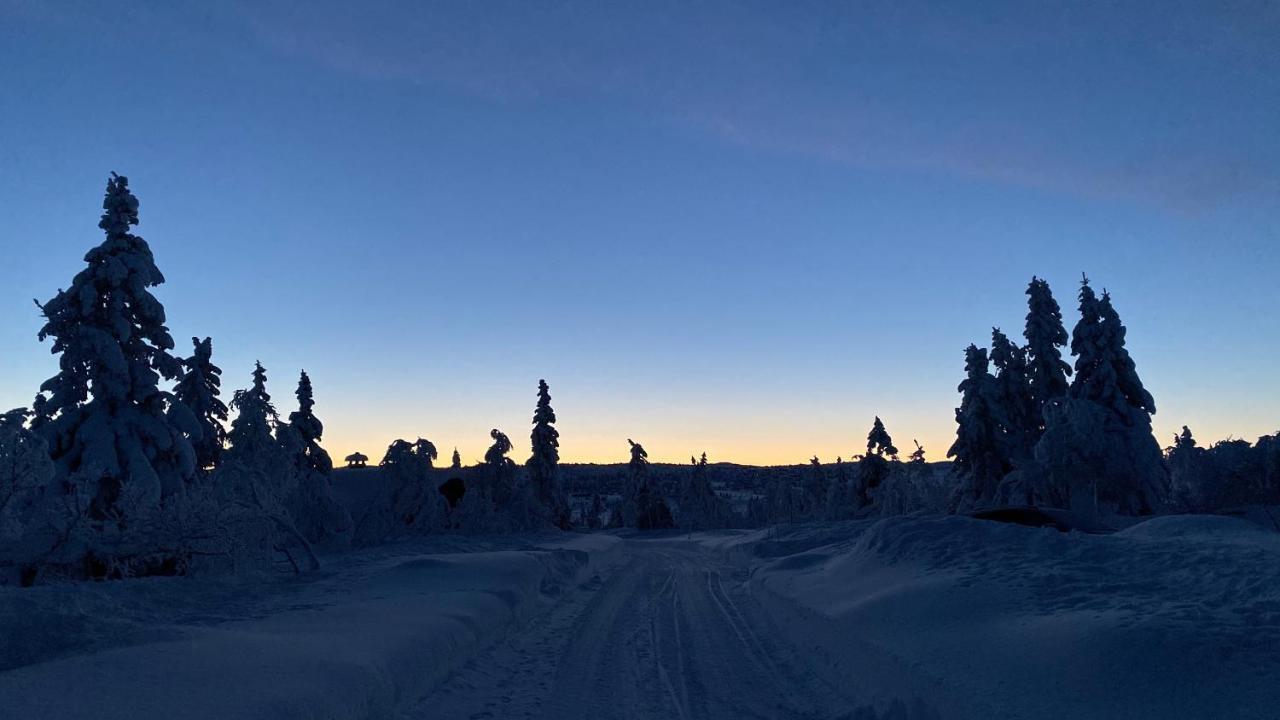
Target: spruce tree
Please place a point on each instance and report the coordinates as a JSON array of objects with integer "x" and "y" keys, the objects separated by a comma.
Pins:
[
  {"x": 1045, "y": 334},
  {"x": 651, "y": 510},
  {"x": 115, "y": 438},
  {"x": 31, "y": 518},
  {"x": 514, "y": 500},
  {"x": 1013, "y": 392},
  {"x": 309, "y": 427},
  {"x": 319, "y": 516},
  {"x": 198, "y": 390},
  {"x": 878, "y": 441},
  {"x": 257, "y": 474},
  {"x": 917, "y": 455},
  {"x": 456, "y": 462},
  {"x": 816, "y": 490},
  {"x": 700, "y": 506},
  {"x": 872, "y": 468},
  {"x": 1097, "y": 451},
  {"x": 544, "y": 463},
  {"x": 1095, "y": 374},
  {"x": 979, "y": 459}
]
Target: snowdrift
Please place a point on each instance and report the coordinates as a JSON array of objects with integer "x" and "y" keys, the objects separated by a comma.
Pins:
[
  {"x": 363, "y": 640},
  {"x": 951, "y": 617}
]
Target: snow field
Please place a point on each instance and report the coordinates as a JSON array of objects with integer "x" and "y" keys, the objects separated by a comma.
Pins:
[
  {"x": 363, "y": 645},
  {"x": 949, "y": 617}
]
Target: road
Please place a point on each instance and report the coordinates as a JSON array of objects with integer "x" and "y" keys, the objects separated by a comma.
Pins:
[{"x": 671, "y": 634}]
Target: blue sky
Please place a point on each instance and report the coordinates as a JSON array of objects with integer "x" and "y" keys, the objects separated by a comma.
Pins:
[{"x": 744, "y": 228}]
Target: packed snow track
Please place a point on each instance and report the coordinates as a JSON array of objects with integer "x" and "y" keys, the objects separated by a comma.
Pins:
[{"x": 671, "y": 634}]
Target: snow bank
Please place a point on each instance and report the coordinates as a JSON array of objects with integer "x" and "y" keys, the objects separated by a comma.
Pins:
[
  {"x": 949, "y": 617},
  {"x": 361, "y": 642}
]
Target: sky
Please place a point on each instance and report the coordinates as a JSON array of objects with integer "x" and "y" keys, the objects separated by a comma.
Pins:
[{"x": 744, "y": 228}]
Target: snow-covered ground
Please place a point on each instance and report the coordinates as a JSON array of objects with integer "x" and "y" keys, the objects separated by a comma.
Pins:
[
  {"x": 1175, "y": 617},
  {"x": 364, "y": 638},
  {"x": 903, "y": 618}
]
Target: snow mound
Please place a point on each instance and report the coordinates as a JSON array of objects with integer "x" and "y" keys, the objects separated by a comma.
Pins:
[{"x": 1174, "y": 617}]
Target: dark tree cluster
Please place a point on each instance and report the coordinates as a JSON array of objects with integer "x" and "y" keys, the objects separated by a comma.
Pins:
[{"x": 1025, "y": 434}]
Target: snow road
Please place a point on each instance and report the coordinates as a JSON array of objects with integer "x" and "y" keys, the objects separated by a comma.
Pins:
[{"x": 672, "y": 634}]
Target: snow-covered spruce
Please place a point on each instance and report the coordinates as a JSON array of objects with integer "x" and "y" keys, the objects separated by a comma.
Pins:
[
  {"x": 31, "y": 516},
  {"x": 873, "y": 468},
  {"x": 700, "y": 507},
  {"x": 321, "y": 518},
  {"x": 649, "y": 506},
  {"x": 1097, "y": 454},
  {"x": 198, "y": 390},
  {"x": 121, "y": 447},
  {"x": 543, "y": 464},
  {"x": 1013, "y": 392},
  {"x": 980, "y": 461},
  {"x": 256, "y": 482},
  {"x": 1045, "y": 334}
]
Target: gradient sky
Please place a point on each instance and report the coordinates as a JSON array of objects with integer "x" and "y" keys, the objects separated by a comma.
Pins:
[{"x": 744, "y": 228}]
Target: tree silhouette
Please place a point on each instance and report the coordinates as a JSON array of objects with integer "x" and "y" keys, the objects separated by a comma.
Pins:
[
  {"x": 544, "y": 463},
  {"x": 309, "y": 427},
  {"x": 1047, "y": 372},
  {"x": 651, "y": 511},
  {"x": 1013, "y": 393},
  {"x": 198, "y": 390},
  {"x": 114, "y": 437},
  {"x": 979, "y": 459},
  {"x": 1097, "y": 452},
  {"x": 872, "y": 468}
]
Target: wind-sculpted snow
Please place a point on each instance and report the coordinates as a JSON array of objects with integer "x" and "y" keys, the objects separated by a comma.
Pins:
[
  {"x": 359, "y": 639},
  {"x": 1174, "y": 617}
]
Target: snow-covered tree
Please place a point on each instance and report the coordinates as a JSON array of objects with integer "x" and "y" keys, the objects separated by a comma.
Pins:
[
  {"x": 414, "y": 505},
  {"x": 1013, "y": 393},
  {"x": 543, "y": 464},
  {"x": 651, "y": 510},
  {"x": 456, "y": 462},
  {"x": 1097, "y": 453},
  {"x": 872, "y": 467},
  {"x": 1186, "y": 463},
  {"x": 320, "y": 517},
  {"x": 840, "y": 504},
  {"x": 878, "y": 441},
  {"x": 198, "y": 390},
  {"x": 118, "y": 443},
  {"x": 31, "y": 516},
  {"x": 816, "y": 490},
  {"x": 917, "y": 455},
  {"x": 500, "y": 469},
  {"x": 1046, "y": 372},
  {"x": 700, "y": 507},
  {"x": 309, "y": 427},
  {"x": 980, "y": 461},
  {"x": 513, "y": 497},
  {"x": 257, "y": 476}
]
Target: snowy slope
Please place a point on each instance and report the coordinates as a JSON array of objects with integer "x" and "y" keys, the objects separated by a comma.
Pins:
[
  {"x": 1176, "y": 617},
  {"x": 364, "y": 639}
]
